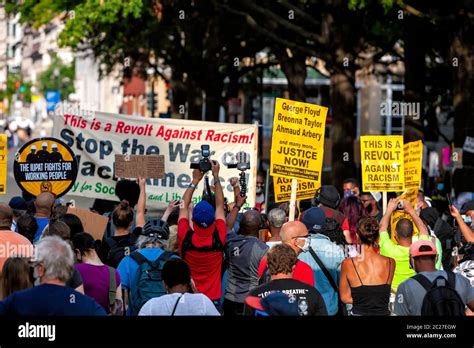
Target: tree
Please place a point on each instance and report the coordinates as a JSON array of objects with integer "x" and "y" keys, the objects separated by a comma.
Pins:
[
  {"x": 192, "y": 38},
  {"x": 16, "y": 86},
  {"x": 336, "y": 34},
  {"x": 58, "y": 76}
]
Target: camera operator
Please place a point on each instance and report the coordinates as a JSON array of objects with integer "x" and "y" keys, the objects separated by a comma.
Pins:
[{"x": 202, "y": 246}]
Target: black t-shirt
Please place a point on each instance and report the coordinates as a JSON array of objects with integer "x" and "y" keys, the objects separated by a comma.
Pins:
[
  {"x": 127, "y": 240},
  {"x": 310, "y": 301},
  {"x": 75, "y": 281}
]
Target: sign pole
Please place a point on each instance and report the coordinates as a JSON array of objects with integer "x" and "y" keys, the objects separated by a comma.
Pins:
[
  {"x": 267, "y": 189},
  {"x": 384, "y": 202},
  {"x": 294, "y": 188}
]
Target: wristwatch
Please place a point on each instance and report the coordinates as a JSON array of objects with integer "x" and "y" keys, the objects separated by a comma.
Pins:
[
  {"x": 237, "y": 206},
  {"x": 191, "y": 185}
]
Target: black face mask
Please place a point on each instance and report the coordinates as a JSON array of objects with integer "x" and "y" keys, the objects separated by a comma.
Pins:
[{"x": 369, "y": 208}]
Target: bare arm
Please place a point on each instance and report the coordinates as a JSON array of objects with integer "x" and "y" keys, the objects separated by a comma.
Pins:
[
  {"x": 188, "y": 194},
  {"x": 416, "y": 219},
  {"x": 344, "y": 287},
  {"x": 465, "y": 229},
  {"x": 219, "y": 193},
  {"x": 471, "y": 305},
  {"x": 171, "y": 207},
  {"x": 391, "y": 206},
  {"x": 140, "y": 219},
  {"x": 232, "y": 216}
]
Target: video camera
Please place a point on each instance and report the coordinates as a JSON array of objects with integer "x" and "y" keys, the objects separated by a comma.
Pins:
[
  {"x": 204, "y": 164},
  {"x": 243, "y": 163}
]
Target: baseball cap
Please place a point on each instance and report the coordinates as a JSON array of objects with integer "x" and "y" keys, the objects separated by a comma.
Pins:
[
  {"x": 314, "y": 219},
  {"x": 329, "y": 196},
  {"x": 415, "y": 248},
  {"x": 467, "y": 206},
  {"x": 203, "y": 214},
  {"x": 17, "y": 203},
  {"x": 276, "y": 303}
]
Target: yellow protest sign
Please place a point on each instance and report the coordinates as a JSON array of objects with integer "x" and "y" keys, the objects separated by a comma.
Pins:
[
  {"x": 413, "y": 156},
  {"x": 3, "y": 163},
  {"x": 282, "y": 186},
  {"x": 410, "y": 195},
  {"x": 298, "y": 140},
  {"x": 382, "y": 163}
]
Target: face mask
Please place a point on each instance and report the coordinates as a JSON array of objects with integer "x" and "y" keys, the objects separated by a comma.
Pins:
[
  {"x": 348, "y": 193},
  {"x": 440, "y": 187},
  {"x": 467, "y": 219},
  {"x": 369, "y": 209},
  {"x": 306, "y": 245},
  {"x": 258, "y": 190}
]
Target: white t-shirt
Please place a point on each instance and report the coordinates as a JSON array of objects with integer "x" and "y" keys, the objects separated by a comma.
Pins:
[{"x": 189, "y": 304}]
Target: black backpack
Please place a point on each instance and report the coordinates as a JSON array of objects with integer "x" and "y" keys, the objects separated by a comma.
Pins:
[
  {"x": 441, "y": 298},
  {"x": 118, "y": 250},
  {"x": 188, "y": 243}
]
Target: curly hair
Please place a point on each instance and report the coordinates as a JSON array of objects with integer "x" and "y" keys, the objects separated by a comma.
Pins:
[
  {"x": 281, "y": 259},
  {"x": 368, "y": 230}
]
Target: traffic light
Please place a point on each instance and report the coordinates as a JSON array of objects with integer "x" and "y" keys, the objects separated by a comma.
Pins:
[
  {"x": 151, "y": 103},
  {"x": 169, "y": 92}
]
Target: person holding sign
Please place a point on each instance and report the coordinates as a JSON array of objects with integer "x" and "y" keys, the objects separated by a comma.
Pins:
[
  {"x": 202, "y": 245},
  {"x": 404, "y": 234}
]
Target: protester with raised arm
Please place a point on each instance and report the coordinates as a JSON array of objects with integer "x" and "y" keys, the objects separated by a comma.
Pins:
[{"x": 202, "y": 247}]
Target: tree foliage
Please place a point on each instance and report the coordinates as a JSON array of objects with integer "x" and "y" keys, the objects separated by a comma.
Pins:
[{"x": 58, "y": 76}]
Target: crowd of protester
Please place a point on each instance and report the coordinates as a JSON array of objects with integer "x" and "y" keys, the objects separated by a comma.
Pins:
[{"x": 340, "y": 256}]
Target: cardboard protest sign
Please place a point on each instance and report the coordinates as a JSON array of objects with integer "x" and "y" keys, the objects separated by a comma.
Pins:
[
  {"x": 3, "y": 164},
  {"x": 382, "y": 163},
  {"x": 97, "y": 137},
  {"x": 282, "y": 186},
  {"x": 45, "y": 165},
  {"x": 145, "y": 166},
  {"x": 298, "y": 140},
  {"x": 93, "y": 223}
]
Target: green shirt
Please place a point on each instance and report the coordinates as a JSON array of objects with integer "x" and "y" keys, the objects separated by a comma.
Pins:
[{"x": 401, "y": 255}]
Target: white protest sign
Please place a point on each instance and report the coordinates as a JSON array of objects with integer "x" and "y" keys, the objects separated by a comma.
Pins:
[{"x": 97, "y": 138}]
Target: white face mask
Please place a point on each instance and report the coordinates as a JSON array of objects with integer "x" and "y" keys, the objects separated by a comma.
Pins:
[{"x": 305, "y": 246}]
